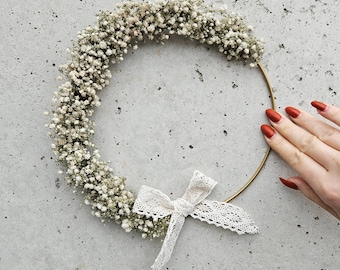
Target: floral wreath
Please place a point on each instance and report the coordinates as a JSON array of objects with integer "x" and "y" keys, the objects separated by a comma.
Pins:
[{"x": 88, "y": 72}]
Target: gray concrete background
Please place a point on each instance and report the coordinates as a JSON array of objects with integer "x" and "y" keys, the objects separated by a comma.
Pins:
[{"x": 196, "y": 95}]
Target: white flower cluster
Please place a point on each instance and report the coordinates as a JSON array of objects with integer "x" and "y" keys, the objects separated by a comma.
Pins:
[{"x": 88, "y": 72}]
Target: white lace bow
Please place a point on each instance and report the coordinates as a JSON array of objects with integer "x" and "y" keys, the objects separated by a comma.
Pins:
[{"x": 153, "y": 203}]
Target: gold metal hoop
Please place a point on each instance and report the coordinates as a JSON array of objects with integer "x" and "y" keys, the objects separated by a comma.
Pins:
[{"x": 271, "y": 94}]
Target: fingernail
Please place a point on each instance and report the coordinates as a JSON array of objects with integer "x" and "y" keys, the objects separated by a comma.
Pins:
[
  {"x": 319, "y": 105},
  {"x": 288, "y": 183},
  {"x": 293, "y": 112},
  {"x": 267, "y": 130},
  {"x": 273, "y": 115}
]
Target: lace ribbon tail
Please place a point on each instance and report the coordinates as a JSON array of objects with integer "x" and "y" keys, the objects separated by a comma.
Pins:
[
  {"x": 225, "y": 215},
  {"x": 175, "y": 226}
]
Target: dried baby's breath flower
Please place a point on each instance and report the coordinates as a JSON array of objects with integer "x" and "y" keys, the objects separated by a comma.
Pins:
[{"x": 88, "y": 72}]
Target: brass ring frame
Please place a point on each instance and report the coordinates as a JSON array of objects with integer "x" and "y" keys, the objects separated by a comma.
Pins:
[{"x": 270, "y": 89}]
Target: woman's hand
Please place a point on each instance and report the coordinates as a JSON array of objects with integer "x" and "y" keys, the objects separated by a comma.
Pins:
[{"x": 312, "y": 148}]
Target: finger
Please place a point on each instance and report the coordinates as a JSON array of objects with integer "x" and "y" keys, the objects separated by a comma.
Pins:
[
  {"x": 303, "y": 140},
  {"x": 325, "y": 132},
  {"x": 307, "y": 167},
  {"x": 307, "y": 190},
  {"x": 328, "y": 111}
]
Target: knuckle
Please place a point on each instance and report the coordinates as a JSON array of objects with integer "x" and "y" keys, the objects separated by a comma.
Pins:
[
  {"x": 328, "y": 133},
  {"x": 306, "y": 143},
  {"x": 277, "y": 143},
  {"x": 295, "y": 159},
  {"x": 334, "y": 115}
]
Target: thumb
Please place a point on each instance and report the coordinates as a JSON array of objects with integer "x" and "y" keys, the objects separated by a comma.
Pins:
[{"x": 300, "y": 184}]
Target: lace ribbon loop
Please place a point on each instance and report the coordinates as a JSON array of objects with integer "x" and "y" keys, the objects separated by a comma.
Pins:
[{"x": 154, "y": 203}]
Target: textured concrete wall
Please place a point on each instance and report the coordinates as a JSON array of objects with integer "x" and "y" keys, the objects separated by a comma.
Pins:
[{"x": 168, "y": 111}]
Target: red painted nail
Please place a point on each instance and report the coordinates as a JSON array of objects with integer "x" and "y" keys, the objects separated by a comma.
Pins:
[
  {"x": 268, "y": 131},
  {"x": 288, "y": 183},
  {"x": 293, "y": 112},
  {"x": 273, "y": 115},
  {"x": 319, "y": 105}
]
